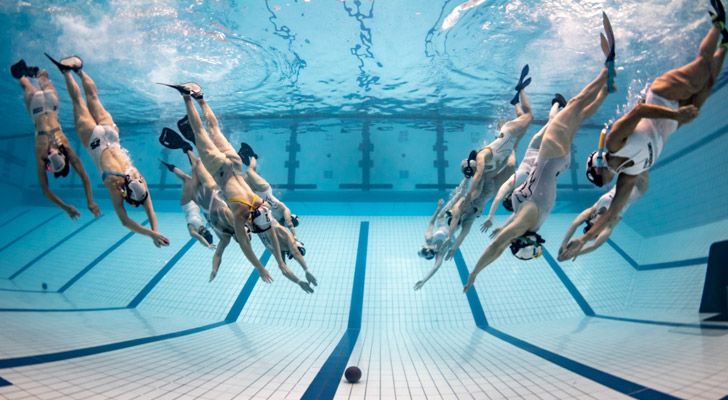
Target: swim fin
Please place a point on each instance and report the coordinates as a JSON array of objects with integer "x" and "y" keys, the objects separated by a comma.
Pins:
[
  {"x": 246, "y": 152},
  {"x": 169, "y": 166},
  {"x": 609, "y": 63},
  {"x": 19, "y": 69},
  {"x": 187, "y": 89},
  {"x": 172, "y": 140},
  {"x": 717, "y": 18},
  {"x": 517, "y": 98},
  {"x": 72, "y": 63},
  {"x": 559, "y": 98},
  {"x": 524, "y": 73},
  {"x": 186, "y": 129}
]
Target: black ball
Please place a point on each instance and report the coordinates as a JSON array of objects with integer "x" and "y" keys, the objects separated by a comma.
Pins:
[
  {"x": 352, "y": 374},
  {"x": 44, "y": 286}
]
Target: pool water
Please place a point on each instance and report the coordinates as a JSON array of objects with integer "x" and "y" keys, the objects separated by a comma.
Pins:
[{"x": 361, "y": 112}]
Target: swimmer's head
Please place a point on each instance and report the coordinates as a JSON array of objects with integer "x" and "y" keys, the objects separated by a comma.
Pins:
[
  {"x": 134, "y": 190},
  {"x": 205, "y": 233},
  {"x": 527, "y": 246},
  {"x": 57, "y": 161},
  {"x": 469, "y": 164},
  {"x": 260, "y": 219},
  {"x": 427, "y": 253},
  {"x": 597, "y": 170},
  {"x": 294, "y": 220},
  {"x": 508, "y": 203}
]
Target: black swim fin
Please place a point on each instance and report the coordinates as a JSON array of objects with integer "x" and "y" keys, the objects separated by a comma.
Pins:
[
  {"x": 72, "y": 63},
  {"x": 559, "y": 98},
  {"x": 718, "y": 18},
  {"x": 187, "y": 89},
  {"x": 169, "y": 166},
  {"x": 517, "y": 98},
  {"x": 172, "y": 140},
  {"x": 186, "y": 129},
  {"x": 18, "y": 70},
  {"x": 246, "y": 152}
]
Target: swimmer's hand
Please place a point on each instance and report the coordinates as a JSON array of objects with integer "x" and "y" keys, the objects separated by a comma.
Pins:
[
  {"x": 213, "y": 273},
  {"x": 686, "y": 114},
  {"x": 159, "y": 239},
  {"x": 72, "y": 212},
  {"x": 450, "y": 254},
  {"x": 495, "y": 232},
  {"x": 311, "y": 279},
  {"x": 305, "y": 286},
  {"x": 265, "y": 276},
  {"x": 419, "y": 285},
  {"x": 486, "y": 225},
  {"x": 573, "y": 249},
  {"x": 94, "y": 208},
  {"x": 471, "y": 281},
  {"x": 211, "y": 246}
]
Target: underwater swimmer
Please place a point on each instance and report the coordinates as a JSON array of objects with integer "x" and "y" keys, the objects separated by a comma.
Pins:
[{"x": 99, "y": 134}]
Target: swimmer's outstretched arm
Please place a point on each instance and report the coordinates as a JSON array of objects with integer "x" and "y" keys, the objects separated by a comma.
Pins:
[
  {"x": 293, "y": 249},
  {"x": 118, "y": 203},
  {"x": 625, "y": 184},
  {"x": 281, "y": 263},
  {"x": 47, "y": 192},
  {"x": 246, "y": 247},
  {"x": 464, "y": 230},
  {"x": 438, "y": 263},
  {"x": 583, "y": 216},
  {"x": 81, "y": 171},
  {"x": 503, "y": 191},
  {"x": 196, "y": 235},
  {"x": 625, "y": 126},
  {"x": 217, "y": 257},
  {"x": 599, "y": 240}
]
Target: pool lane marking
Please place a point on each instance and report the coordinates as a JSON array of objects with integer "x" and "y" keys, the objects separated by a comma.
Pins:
[
  {"x": 246, "y": 291},
  {"x": 53, "y": 247},
  {"x": 651, "y": 267},
  {"x": 29, "y": 231},
  {"x": 105, "y": 348},
  {"x": 20, "y": 214},
  {"x": 160, "y": 274},
  {"x": 606, "y": 379},
  {"x": 575, "y": 294},
  {"x": 328, "y": 378},
  {"x": 3, "y": 382},
  {"x": 97, "y": 260}
]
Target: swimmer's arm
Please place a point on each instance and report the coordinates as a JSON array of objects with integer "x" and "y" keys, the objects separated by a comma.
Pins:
[
  {"x": 572, "y": 228},
  {"x": 600, "y": 239},
  {"x": 47, "y": 192},
  {"x": 438, "y": 263},
  {"x": 505, "y": 188},
  {"x": 277, "y": 254},
  {"x": 128, "y": 223},
  {"x": 149, "y": 210},
  {"x": 217, "y": 257},
  {"x": 476, "y": 185},
  {"x": 287, "y": 216},
  {"x": 196, "y": 235},
  {"x": 81, "y": 171},
  {"x": 625, "y": 184}
]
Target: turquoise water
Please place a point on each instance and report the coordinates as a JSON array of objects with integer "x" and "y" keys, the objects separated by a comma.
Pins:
[{"x": 361, "y": 112}]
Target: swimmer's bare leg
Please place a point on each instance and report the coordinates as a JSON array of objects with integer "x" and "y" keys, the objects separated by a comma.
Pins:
[{"x": 99, "y": 113}]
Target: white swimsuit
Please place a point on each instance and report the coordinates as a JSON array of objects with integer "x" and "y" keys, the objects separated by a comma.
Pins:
[
  {"x": 501, "y": 147},
  {"x": 645, "y": 144},
  {"x": 42, "y": 102},
  {"x": 192, "y": 215},
  {"x": 102, "y": 137},
  {"x": 526, "y": 165},
  {"x": 540, "y": 187},
  {"x": 268, "y": 197}
]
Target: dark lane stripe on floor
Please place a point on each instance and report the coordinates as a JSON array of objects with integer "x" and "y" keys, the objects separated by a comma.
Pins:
[
  {"x": 65, "y": 355},
  {"x": 97, "y": 260},
  {"x": 46, "y": 310},
  {"x": 158, "y": 277},
  {"x": 611, "y": 381},
  {"x": 326, "y": 382},
  {"x": 664, "y": 323},
  {"x": 3, "y": 382},
  {"x": 580, "y": 300},
  {"x": 53, "y": 247},
  {"x": 663, "y": 265},
  {"x": 20, "y": 214},
  {"x": 247, "y": 290},
  {"x": 29, "y": 231}
]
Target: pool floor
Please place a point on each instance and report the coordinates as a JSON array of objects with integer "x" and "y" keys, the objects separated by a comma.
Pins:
[{"x": 119, "y": 318}]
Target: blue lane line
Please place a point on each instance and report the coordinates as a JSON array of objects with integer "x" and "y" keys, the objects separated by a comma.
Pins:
[
  {"x": 46, "y": 310},
  {"x": 665, "y": 323},
  {"x": 65, "y": 355},
  {"x": 247, "y": 290},
  {"x": 97, "y": 260},
  {"x": 3, "y": 382},
  {"x": 29, "y": 231},
  {"x": 327, "y": 380},
  {"x": 14, "y": 218},
  {"x": 580, "y": 300},
  {"x": 664, "y": 265},
  {"x": 158, "y": 277},
  {"x": 53, "y": 247},
  {"x": 613, "y": 382}
]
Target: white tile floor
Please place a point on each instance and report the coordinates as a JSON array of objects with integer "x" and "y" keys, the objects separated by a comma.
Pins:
[{"x": 411, "y": 344}]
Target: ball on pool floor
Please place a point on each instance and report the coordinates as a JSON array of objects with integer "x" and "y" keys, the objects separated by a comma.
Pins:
[
  {"x": 44, "y": 286},
  {"x": 352, "y": 374}
]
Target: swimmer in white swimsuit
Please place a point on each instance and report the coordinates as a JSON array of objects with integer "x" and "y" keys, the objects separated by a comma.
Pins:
[
  {"x": 524, "y": 168},
  {"x": 98, "y": 133},
  {"x": 262, "y": 188},
  {"x": 224, "y": 165},
  {"x": 437, "y": 239},
  {"x": 590, "y": 215},
  {"x": 534, "y": 199},
  {"x": 53, "y": 153},
  {"x": 637, "y": 139}
]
